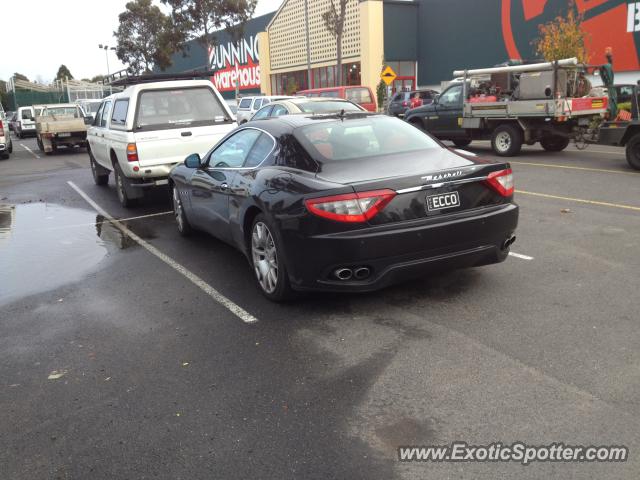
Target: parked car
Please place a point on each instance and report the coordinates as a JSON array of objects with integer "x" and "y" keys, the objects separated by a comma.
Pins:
[
  {"x": 361, "y": 95},
  {"x": 248, "y": 106},
  {"x": 61, "y": 125},
  {"x": 142, "y": 132},
  {"x": 401, "y": 101},
  {"x": 26, "y": 124},
  {"x": 349, "y": 202},
  {"x": 306, "y": 105},
  {"x": 6, "y": 145}
]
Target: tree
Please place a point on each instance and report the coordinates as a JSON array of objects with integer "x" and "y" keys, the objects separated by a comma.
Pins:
[
  {"x": 199, "y": 19},
  {"x": 97, "y": 79},
  {"x": 144, "y": 37},
  {"x": 63, "y": 73},
  {"x": 334, "y": 20},
  {"x": 563, "y": 37},
  {"x": 19, "y": 76}
]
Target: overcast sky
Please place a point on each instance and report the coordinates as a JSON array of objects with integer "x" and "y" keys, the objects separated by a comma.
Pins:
[{"x": 40, "y": 35}]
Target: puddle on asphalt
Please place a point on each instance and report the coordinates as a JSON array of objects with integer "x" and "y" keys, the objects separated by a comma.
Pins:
[{"x": 44, "y": 246}]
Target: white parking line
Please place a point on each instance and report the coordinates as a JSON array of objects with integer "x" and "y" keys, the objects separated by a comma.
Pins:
[
  {"x": 192, "y": 277},
  {"x": 520, "y": 256},
  {"x": 29, "y": 150}
]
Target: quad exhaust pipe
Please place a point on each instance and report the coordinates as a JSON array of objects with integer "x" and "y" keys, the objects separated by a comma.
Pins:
[
  {"x": 508, "y": 242},
  {"x": 358, "y": 273}
]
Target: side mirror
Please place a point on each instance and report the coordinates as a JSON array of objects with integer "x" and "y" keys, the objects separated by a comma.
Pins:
[
  {"x": 193, "y": 161},
  {"x": 88, "y": 120}
]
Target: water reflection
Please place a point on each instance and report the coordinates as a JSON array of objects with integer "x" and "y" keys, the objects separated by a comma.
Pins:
[{"x": 44, "y": 246}]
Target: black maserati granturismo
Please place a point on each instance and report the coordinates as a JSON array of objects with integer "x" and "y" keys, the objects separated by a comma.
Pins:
[{"x": 345, "y": 202}]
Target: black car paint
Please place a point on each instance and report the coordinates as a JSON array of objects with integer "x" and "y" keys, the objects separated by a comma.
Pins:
[{"x": 402, "y": 233}]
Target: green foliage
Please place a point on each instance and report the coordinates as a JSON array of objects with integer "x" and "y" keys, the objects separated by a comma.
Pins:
[
  {"x": 381, "y": 93},
  {"x": 563, "y": 37},
  {"x": 144, "y": 37},
  {"x": 199, "y": 19},
  {"x": 63, "y": 73}
]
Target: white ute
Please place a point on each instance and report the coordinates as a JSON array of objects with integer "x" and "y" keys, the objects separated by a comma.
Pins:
[{"x": 142, "y": 132}]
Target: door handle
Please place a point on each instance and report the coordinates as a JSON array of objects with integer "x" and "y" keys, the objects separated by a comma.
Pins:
[{"x": 186, "y": 134}]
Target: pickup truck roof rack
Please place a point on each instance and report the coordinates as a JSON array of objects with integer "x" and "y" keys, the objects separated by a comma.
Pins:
[{"x": 123, "y": 78}]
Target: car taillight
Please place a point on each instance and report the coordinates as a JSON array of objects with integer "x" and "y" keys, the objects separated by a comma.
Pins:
[
  {"x": 1, "y": 128},
  {"x": 502, "y": 182},
  {"x": 405, "y": 104},
  {"x": 351, "y": 207},
  {"x": 132, "y": 152}
]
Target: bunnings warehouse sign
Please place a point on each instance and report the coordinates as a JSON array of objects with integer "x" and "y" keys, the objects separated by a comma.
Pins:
[{"x": 236, "y": 63}]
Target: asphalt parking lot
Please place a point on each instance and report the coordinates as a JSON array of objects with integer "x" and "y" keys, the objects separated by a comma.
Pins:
[{"x": 120, "y": 361}]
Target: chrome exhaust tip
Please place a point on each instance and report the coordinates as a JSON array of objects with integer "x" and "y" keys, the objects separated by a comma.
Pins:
[
  {"x": 508, "y": 242},
  {"x": 361, "y": 273},
  {"x": 343, "y": 273}
]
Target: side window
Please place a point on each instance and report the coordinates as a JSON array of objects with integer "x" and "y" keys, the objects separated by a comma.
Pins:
[
  {"x": 245, "y": 103},
  {"x": 279, "y": 110},
  {"x": 119, "y": 116},
  {"x": 105, "y": 114},
  {"x": 262, "y": 113},
  {"x": 233, "y": 152},
  {"x": 453, "y": 96},
  {"x": 330, "y": 94},
  {"x": 265, "y": 101},
  {"x": 257, "y": 103},
  {"x": 98, "y": 117},
  {"x": 358, "y": 95},
  {"x": 397, "y": 97},
  {"x": 261, "y": 148}
]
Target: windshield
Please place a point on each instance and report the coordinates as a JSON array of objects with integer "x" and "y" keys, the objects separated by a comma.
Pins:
[
  {"x": 62, "y": 111},
  {"x": 364, "y": 137},
  {"x": 328, "y": 106},
  {"x": 160, "y": 109}
]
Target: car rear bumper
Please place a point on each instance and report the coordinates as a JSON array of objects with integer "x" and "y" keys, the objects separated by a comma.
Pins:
[{"x": 401, "y": 253}]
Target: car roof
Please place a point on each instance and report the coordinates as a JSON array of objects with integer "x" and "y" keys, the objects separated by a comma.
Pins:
[{"x": 288, "y": 123}]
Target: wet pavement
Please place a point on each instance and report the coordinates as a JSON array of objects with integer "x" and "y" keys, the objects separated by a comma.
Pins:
[{"x": 115, "y": 365}]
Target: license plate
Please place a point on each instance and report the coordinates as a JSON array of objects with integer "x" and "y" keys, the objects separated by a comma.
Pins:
[
  {"x": 64, "y": 134},
  {"x": 443, "y": 200}
]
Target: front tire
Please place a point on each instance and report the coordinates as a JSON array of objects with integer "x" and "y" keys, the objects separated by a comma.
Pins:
[
  {"x": 633, "y": 152},
  {"x": 184, "y": 227},
  {"x": 506, "y": 140},
  {"x": 121, "y": 190},
  {"x": 554, "y": 143},
  {"x": 268, "y": 260},
  {"x": 40, "y": 145}
]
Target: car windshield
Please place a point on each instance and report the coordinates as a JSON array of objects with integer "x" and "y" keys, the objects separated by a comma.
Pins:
[
  {"x": 328, "y": 106},
  {"x": 159, "y": 109},
  {"x": 62, "y": 111},
  {"x": 361, "y": 138}
]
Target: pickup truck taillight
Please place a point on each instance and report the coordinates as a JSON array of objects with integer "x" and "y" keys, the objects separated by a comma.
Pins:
[
  {"x": 1, "y": 129},
  {"x": 132, "y": 152}
]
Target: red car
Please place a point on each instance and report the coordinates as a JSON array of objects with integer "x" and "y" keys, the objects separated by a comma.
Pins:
[{"x": 359, "y": 94}]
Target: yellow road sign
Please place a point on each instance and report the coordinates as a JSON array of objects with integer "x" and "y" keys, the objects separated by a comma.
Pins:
[{"x": 388, "y": 75}]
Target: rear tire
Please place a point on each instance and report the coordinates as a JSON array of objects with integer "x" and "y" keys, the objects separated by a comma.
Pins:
[
  {"x": 554, "y": 143},
  {"x": 462, "y": 142},
  {"x": 10, "y": 149},
  {"x": 268, "y": 260},
  {"x": 100, "y": 179},
  {"x": 184, "y": 227},
  {"x": 40, "y": 145},
  {"x": 124, "y": 199},
  {"x": 633, "y": 152},
  {"x": 506, "y": 140}
]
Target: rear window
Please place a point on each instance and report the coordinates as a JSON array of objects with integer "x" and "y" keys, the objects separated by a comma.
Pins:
[
  {"x": 330, "y": 94},
  {"x": 177, "y": 108},
  {"x": 328, "y": 106},
  {"x": 26, "y": 114},
  {"x": 361, "y": 138},
  {"x": 245, "y": 103},
  {"x": 62, "y": 112},
  {"x": 119, "y": 116},
  {"x": 359, "y": 95}
]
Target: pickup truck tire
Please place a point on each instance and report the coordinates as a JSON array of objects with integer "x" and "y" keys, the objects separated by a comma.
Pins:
[
  {"x": 462, "y": 142},
  {"x": 120, "y": 179},
  {"x": 506, "y": 140},
  {"x": 554, "y": 143},
  {"x": 99, "y": 177},
  {"x": 184, "y": 227},
  {"x": 633, "y": 152},
  {"x": 10, "y": 149},
  {"x": 40, "y": 146}
]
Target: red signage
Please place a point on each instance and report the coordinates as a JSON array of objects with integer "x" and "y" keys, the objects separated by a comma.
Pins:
[{"x": 246, "y": 76}]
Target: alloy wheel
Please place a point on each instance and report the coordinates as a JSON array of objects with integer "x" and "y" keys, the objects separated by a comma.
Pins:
[
  {"x": 265, "y": 258},
  {"x": 177, "y": 209}
]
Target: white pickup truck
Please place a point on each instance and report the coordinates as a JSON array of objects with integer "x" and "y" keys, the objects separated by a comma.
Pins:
[{"x": 142, "y": 132}]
